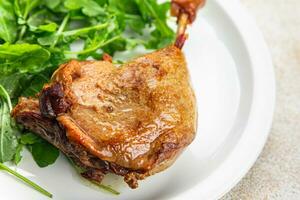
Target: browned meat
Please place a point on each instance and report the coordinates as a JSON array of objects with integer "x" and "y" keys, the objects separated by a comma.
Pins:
[
  {"x": 189, "y": 7},
  {"x": 133, "y": 120},
  {"x": 27, "y": 112}
]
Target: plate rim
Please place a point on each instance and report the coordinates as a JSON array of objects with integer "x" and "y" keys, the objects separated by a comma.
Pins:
[{"x": 264, "y": 94}]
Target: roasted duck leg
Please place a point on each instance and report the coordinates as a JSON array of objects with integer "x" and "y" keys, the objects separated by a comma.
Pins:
[{"x": 133, "y": 120}]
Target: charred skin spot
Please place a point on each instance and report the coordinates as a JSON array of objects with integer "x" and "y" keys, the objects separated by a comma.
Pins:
[{"x": 52, "y": 101}]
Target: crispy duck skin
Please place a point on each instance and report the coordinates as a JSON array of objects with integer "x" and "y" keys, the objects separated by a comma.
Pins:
[
  {"x": 133, "y": 120},
  {"x": 27, "y": 112}
]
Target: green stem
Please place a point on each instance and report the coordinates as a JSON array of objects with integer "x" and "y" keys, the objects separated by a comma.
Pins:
[
  {"x": 61, "y": 29},
  {"x": 25, "y": 180},
  {"x": 24, "y": 27},
  {"x": 95, "y": 47},
  {"x": 80, "y": 170},
  {"x": 130, "y": 16},
  {"x": 6, "y": 97},
  {"x": 27, "y": 9},
  {"x": 9, "y": 53},
  {"x": 84, "y": 30},
  {"x": 157, "y": 18},
  {"x": 22, "y": 32},
  {"x": 106, "y": 188}
]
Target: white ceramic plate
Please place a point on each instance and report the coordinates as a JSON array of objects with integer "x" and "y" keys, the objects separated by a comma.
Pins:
[{"x": 234, "y": 82}]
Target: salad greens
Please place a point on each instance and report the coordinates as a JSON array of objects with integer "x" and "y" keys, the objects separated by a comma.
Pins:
[
  {"x": 8, "y": 23},
  {"x": 9, "y": 148},
  {"x": 36, "y": 36},
  {"x": 8, "y": 139},
  {"x": 19, "y": 58},
  {"x": 43, "y": 153}
]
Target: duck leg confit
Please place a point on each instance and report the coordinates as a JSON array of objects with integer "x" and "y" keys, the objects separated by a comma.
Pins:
[{"x": 132, "y": 120}]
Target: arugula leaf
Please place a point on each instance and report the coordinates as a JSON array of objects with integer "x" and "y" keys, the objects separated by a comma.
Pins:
[
  {"x": 89, "y": 7},
  {"x": 18, "y": 156},
  {"x": 15, "y": 83},
  {"x": 135, "y": 23},
  {"x": 10, "y": 150},
  {"x": 37, "y": 83},
  {"x": 24, "y": 7},
  {"x": 8, "y": 139},
  {"x": 101, "y": 2},
  {"x": 157, "y": 14},
  {"x": 52, "y": 4},
  {"x": 128, "y": 11},
  {"x": 22, "y": 10},
  {"x": 44, "y": 153},
  {"x": 22, "y": 58},
  {"x": 22, "y": 84},
  {"x": 84, "y": 31},
  {"x": 47, "y": 40},
  {"x": 42, "y": 20},
  {"x": 29, "y": 138},
  {"x": 125, "y": 6},
  {"x": 97, "y": 38},
  {"x": 51, "y": 27},
  {"x": 155, "y": 43},
  {"x": 8, "y": 24}
]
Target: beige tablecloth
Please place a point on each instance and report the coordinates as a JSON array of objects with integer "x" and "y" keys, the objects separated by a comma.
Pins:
[{"x": 276, "y": 174}]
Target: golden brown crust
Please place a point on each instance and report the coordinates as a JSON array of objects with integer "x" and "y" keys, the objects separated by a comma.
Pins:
[
  {"x": 137, "y": 115},
  {"x": 31, "y": 104}
]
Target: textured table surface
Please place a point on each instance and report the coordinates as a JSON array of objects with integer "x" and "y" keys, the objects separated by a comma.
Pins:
[{"x": 276, "y": 174}]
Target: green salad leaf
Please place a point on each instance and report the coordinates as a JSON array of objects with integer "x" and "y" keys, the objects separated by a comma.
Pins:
[
  {"x": 8, "y": 139},
  {"x": 43, "y": 153},
  {"x": 36, "y": 83},
  {"x": 51, "y": 27},
  {"x": 89, "y": 7},
  {"x": 8, "y": 24},
  {"x": 15, "y": 83},
  {"x": 157, "y": 14},
  {"x": 18, "y": 155},
  {"x": 29, "y": 139},
  {"x": 23, "y": 58},
  {"x": 10, "y": 149}
]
